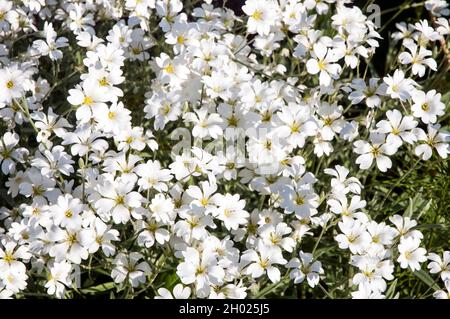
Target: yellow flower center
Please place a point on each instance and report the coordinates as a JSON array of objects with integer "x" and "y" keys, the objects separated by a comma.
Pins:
[
  {"x": 227, "y": 212},
  {"x": 274, "y": 239},
  {"x": 327, "y": 121},
  {"x": 295, "y": 127},
  {"x": 266, "y": 116},
  {"x": 169, "y": 69},
  {"x": 193, "y": 222},
  {"x": 8, "y": 257},
  {"x": 87, "y": 100},
  {"x": 230, "y": 165},
  {"x": 351, "y": 238},
  {"x": 9, "y": 84},
  {"x": 257, "y": 15},
  {"x": 375, "y": 151},
  {"x": 103, "y": 81},
  {"x": 200, "y": 270},
  {"x": 166, "y": 109},
  {"x": 71, "y": 238},
  {"x": 232, "y": 121},
  {"x": 299, "y": 200},
  {"x": 321, "y": 65},
  {"x": 68, "y": 213},
  {"x": 136, "y": 51},
  {"x": 425, "y": 107},
  {"x": 120, "y": 200},
  {"x": 264, "y": 263},
  {"x": 204, "y": 201}
]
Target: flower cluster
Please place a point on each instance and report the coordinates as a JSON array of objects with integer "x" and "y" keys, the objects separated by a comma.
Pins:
[{"x": 99, "y": 194}]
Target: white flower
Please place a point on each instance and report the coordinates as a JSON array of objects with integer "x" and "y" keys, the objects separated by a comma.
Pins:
[
  {"x": 297, "y": 124},
  {"x": 427, "y": 106},
  {"x": 399, "y": 87},
  {"x": 9, "y": 154},
  {"x": 404, "y": 227},
  {"x": 200, "y": 268},
  {"x": 370, "y": 93},
  {"x": 341, "y": 207},
  {"x": 381, "y": 234},
  {"x": 427, "y": 33},
  {"x": 262, "y": 15},
  {"x": 341, "y": 183},
  {"x": 365, "y": 292},
  {"x": 323, "y": 61},
  {"x": 67, "y": 211},
  {"x": 179, "y": 292},
  {"x": 262, "y": 261},
  {"x": 52, "y": 44},
  {"x": 373, "y": 272},
  {"x": 104, "y": 235},
  {"x": 440, "y": 265},
  {"x": 205, "y": 125},
  {"x": 70, "y": 244},
  {"x": 377, "y": 149},
  {"x": 193, "y": 224},
  {"x": 162, "y": 209},
  {"x": 171, "y": 71},
  {"x": 117, "y": 200},
  {"x": 12, "y": 81},
  {"x": 301, "y": 200},
  {"x": 58, "y": 279},
  {"x": 434, "y": 138},
  {"x": 150, "y": 232},
  {"x": 90, "y": 99},
  {"x": 152, "y": 176},
  {"x": 54, "y": 161},
  {"x": 354, "y": 236},
  {"x": 305, "y": 267},
  {"x": 231, "y": 210},
  {"x": 442, "y": 294},
  {"x": 397, "y": 128},
  {"x": 203, "y": 196},
  {"x": 12, "y": 258},
  {"x": 127, "y": 266},
  {"x": 411, "y": 255},
  {"x": 83, "y": 140},
  {"x": 437, "y": 7},
  {"x": 275, "y": 236},
  {"x": 418, "y": 58},
  {"x": 115, "y": 119}
]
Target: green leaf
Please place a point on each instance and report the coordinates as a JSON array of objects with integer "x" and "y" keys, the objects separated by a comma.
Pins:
[
  {"x": 425, "y": 209},
  {"x": 99, "y": 288},
  {"x": 391, "y": 291},
  {"x": 426, "y": 278},
  {"x": 446, "y": 97},
  {"x": 431, "y": 226}
]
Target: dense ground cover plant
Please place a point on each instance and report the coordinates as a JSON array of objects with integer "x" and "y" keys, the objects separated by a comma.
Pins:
[{"x": 169, "y": 149}]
